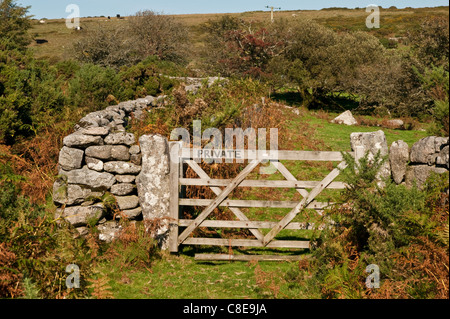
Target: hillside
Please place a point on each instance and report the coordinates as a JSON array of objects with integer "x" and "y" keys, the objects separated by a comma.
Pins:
[{"x": 394, "y": 23}]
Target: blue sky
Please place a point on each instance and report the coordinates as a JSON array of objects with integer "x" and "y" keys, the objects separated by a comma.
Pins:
[{"x": 57, "y": 8}]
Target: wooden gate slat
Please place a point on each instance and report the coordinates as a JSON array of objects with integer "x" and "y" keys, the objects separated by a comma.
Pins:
[
  {"x": 259, "y": 183},
  {"x": 220, "y": 198},
  {"x": 246, "y": 224},
  {"x": 271, "y": 155},
  {"x": 252, "y": 203},
  {"x": 223, "y": 257},
  {"x": 295, "y": 244}
]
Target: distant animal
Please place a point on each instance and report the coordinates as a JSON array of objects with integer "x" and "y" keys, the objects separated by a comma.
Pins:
[
  {"x": 42, "y": 21},
  {"x": 40, "y": 41},
  {"x": 78, "y": 28}
]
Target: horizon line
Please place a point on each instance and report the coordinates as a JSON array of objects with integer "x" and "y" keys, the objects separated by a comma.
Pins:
[{"x": 33, "y": 17}]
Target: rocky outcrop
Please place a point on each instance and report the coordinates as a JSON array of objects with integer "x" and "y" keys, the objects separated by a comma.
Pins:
[
  {"x": 345, "y": 118},
  {"x": 395, "y": 124}
]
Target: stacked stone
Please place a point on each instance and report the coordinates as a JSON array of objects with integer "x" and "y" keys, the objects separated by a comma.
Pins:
[
  {"x": 406, "y": 166},
  {"x": 99, "y": 157},
  {"x": 430, "y": 154}
]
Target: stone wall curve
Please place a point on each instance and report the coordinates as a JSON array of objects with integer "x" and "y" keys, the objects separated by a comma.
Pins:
[{"x": 100, "y": 157}]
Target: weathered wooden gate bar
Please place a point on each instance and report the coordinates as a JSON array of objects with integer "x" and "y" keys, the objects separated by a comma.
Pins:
[
  {"x": 223, "y": 257},
  {"x": 246, "y": 243},
  {"x": 252, "y": 203},
  {"x": 188, "y": 153},
  {"x": 246, "y": 224},
  {"x": 259, "y": 183}
]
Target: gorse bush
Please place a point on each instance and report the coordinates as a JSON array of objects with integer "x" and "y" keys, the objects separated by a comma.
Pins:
[
  {"x": 34, "y": 94},
  {"x": 435, "y": 82},
  {"x": 395, "y": 227},
  {"x": 92, "y": 84}
]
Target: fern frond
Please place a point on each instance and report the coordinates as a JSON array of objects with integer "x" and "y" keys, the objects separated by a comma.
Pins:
[{"x": 101, "y": 288}]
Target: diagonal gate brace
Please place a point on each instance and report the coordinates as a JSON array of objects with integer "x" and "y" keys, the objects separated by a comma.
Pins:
[
  {"x": 304, "y": 203},
  {"x": 217, "y": 190},
  {"x": 219, "y": 199}
]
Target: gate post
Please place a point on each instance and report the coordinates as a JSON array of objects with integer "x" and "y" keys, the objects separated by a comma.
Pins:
[{"x": 174, "y": 151}]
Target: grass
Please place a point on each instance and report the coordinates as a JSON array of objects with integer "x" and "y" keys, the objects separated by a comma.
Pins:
[
  {"x": 337, "y": 137},
  {"x": 180, "y": 277}
]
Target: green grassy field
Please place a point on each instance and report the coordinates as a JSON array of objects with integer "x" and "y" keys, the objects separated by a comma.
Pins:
[{"x": 180, "y": 277}]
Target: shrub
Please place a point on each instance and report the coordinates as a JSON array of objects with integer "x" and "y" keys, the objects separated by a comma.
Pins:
[
  {"x": 435, "y": 82},
  {"x": 91, "y": 85},
  {"x": 144, "y": 78},
  {"x": 158, "y": 35},
  {"x": 14, "y": 105},
  {"x": 106, "y": 47},
  {"x": 431, "y": 42},
  {"x": 144, "y": 34}
]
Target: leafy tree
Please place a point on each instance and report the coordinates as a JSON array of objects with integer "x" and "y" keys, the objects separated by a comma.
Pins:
[
  {"x": 248, "y": 52},
  {"x": 14, "y": 25}
]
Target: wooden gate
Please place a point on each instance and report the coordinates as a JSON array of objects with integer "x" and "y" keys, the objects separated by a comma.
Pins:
[{"x": 223, "y": 188}]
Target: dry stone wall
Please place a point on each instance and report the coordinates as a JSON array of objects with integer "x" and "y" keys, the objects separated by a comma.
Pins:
[
  {"x": 100, "y": 157},
  {"x": 406, "y": 165},
  {"x": 430, "y": 154},
  {"x": 101, "y": 161}
]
